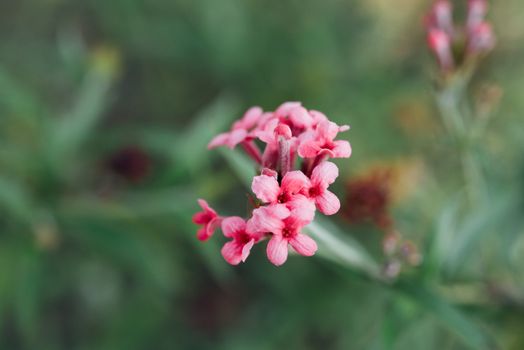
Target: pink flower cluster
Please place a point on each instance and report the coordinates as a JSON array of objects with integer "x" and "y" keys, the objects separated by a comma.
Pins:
[
  {"x": 452, "y": 44},
  {"x": 294, "y": 176}
]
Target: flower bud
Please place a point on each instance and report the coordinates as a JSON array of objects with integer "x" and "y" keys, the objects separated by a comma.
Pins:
[
  {"x": 439, "y": 43},
  {"x": 481, "y": 39}
]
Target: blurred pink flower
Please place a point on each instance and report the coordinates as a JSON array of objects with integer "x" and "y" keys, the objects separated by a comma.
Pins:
[
  {"x": 439, "y": 42},
  {"x": 477, "y": 10},
  {"x": 240, "y": 131},
  {"x": 208, "y": 218},
  {"x": 481, "y": 38},
  {"x": 440, "y": 16}
]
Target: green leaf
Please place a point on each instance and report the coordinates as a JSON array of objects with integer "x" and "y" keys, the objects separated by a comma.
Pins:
[
  {"x": 449, "y": 316},
  {"x": 480, "y": 223},
  {"x": 15, "y": 200},
  {"x": 341, "y": 248},
  {"x": 190, "y": 147},
  {"x": 68, "y": 133}
]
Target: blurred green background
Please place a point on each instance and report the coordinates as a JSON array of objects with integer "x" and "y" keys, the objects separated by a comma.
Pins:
[{"x": 106, "y": 108}]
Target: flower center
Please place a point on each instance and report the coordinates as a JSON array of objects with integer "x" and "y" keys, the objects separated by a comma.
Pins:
[
  {"x": 314, "y": 191},
  {"x": 243, "y": 237},
  {"x": 284, "y": 197},
  {"x": 287, "y": 232}
]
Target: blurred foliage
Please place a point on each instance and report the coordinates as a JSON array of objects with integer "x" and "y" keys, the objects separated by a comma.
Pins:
[{"x": 97, "y": 248}]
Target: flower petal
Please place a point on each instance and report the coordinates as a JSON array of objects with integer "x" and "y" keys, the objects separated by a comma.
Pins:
[
  {"x": 250, "y": 118},
  {"x": 300, "y": 117},
  {"x": 233, "y": 225},
  {"x": 202, "y": 234},
  {"x": 303, "y": 244},
  {"x": 294, "y": 181},
  {"x": 267, "y": 219},
  {"x": 341, "y": 149},
  {"x": 235, "y": 137},
  {"x": 327, "y": 203},
  {"x": 247, "y": 249},
  {"x": 266, "y": 188},
  {"x": 212, "y": 226},
  {"x": 324, "y": 174},
  {"x": 285, "y": 108},
  {"x": 204, "y": 205},
  {"x": 327, "y": 130},
  {"x": 308, "y": 148},
  {"x": 277, "y": 250},
  {"x": 219, "y": 140},
  {"x": 201, "y": 218},
  {"x": 232, "y": 252},
  {"x": 302, "y": 209}
]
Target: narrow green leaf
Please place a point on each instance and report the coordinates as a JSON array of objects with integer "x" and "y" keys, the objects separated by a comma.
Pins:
[
  {"x": 449, "y": 316},
  {"x": 70, "y": 131},
  {"x": 341, "y": 248}
]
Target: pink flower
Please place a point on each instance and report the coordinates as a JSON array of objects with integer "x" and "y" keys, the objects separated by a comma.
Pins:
[
  {"x": 286, "y": 229},
  {"x": 440, "y": 16},
  {"x": 295, "y": 116},
  {"x": 240, "y": 131},
  {"x": 208, "y": 218},
  {"x": 238, "y": 248},
  {"x": 477, "y": 10},
  {"x": 269, "y": 191},
  {"x": 320, "y": 142},
  {"x": 322, "y": 176},
  {"x": 481, "y": 38},
  {"x": 440, "y": 43}
]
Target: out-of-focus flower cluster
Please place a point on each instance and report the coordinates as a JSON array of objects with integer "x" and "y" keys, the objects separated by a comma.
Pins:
[
  {"x": 292, "y": 183},
  {"x": 456, "y": 45}
]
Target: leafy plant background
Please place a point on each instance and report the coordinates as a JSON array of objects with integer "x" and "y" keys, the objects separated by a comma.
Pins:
[{"x": 91, "y": 259}]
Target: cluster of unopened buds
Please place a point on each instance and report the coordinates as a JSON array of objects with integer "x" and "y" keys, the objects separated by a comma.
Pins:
[
  {"x": 294, "y": 176},
  {"x": 399, "y": 253},
  {"x": 454, "y": 45}
]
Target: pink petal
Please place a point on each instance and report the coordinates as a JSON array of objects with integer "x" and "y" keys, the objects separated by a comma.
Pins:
[
  {"x": 325, "y": 174},
  {"x": 201, "y": 218},
  {"x": 327, "y": 130},
  {"x": 235, "y": 137},
  {"x": 250, "y": 118},
  {"x": 212, "y": 226},
  {"x": 232, "y": 252},
  {"x": 267, "y": 134},
  {"x": 219, "y": 140},
  {"x": 232, "y": 225},
  {"x": 284, "y": 109},
  {"x": 269, "y": 172},
  {"x": 266, "y": 188},
  {"x": 308, "y": 149},
  {"x": 327, "y": 203},
  {"x": 318, "y": 117},
  {"x": 300, "y": 117},
  {"x": 294, "y": 181},
  {"x": 277, "y": 250},
  {"x": 247, "y": 249},
  {"x": 302, "y": 209},
  {"x": 303, "y": 245},
  {"x": 204, "y": 205},
  {"x": 202, "y": 234},
  {"x": 279, "y": 211},
  {"x": 342, "y": 149},
  {"x": 266, "y": 219}
]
